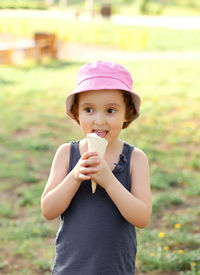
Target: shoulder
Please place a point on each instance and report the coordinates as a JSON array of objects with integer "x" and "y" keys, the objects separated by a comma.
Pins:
[
  {"x": 63, "y": 150},
  {"x": 61, "y": 157},
  {"x": 138, "y": 158},
  {"x": 138, "y": 153}
]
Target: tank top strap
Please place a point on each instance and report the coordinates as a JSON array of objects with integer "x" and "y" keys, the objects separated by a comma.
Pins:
[
  {"x": 124, "y": 158},
  {"x": 122, "y": 169},
  {"x": 128, "y": 152},
  {"x": 74, "y": 154}
]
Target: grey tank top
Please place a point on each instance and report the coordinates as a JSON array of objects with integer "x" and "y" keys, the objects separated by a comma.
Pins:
[{"x": 93, "y": 237}]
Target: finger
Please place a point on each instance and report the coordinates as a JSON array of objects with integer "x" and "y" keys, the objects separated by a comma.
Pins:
[
  {"x": 94, "y": 158},
  {"x": 88, "y": 170},
  {"x": 87, "y": 155},
  {"x": 90, "y": 162},
  {"x": 84, "y": 177}
]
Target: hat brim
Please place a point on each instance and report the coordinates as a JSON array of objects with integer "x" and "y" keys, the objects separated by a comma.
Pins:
[{"x": 103, "y": 83}]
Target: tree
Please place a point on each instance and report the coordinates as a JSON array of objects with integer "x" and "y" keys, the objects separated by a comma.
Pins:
[
  {"x": 143, "y": 6},
  {"x": 49, "y": 2},
  {"x": 89, "y": 4}
]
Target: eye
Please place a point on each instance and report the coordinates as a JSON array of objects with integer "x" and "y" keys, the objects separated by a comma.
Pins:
[
  {"x": 111, "y": 110},
  {"x": 88, "y": 110}
]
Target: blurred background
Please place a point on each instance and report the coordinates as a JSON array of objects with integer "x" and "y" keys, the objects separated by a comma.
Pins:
[{"x": 42, "y": 46}]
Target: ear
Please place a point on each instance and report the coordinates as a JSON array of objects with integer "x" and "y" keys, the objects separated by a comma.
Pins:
[{"x": 125, "y": 119}]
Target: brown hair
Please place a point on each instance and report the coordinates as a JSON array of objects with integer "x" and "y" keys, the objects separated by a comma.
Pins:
[{"x": 130, "y": 109}]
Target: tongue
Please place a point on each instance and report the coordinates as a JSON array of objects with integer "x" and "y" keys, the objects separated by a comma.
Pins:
[{"x": 101, "y": 134}]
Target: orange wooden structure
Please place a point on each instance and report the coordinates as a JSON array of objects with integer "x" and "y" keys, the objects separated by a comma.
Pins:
[
  {"x": 6, "y": 56},
  {"x": 45, "y": 44},
  {"x": 14, "y": 51}
]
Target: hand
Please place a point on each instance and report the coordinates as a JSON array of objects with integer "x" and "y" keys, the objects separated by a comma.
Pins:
[
  {"x": 86, "y": 166},
  {"x": 103, "y": 175}
]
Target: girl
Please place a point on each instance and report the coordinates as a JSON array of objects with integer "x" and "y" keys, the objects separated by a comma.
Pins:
[{"x": 97, "y": 231}]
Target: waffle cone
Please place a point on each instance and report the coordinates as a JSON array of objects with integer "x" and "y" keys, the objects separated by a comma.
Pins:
[{"x": 96, "y": 144}]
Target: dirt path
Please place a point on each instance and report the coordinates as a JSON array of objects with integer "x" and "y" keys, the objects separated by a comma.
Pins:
[{"x": 81, "y": 52}]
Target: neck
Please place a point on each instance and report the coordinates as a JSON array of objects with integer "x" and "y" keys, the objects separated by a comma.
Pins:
[{"x": 115, "y": 146}]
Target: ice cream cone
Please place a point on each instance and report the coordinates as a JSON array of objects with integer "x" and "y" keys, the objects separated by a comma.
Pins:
[{"x": 96, "y": 144}]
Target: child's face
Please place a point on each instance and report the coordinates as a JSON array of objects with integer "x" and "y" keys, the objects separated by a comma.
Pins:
[{"x": 102, "y": 112}]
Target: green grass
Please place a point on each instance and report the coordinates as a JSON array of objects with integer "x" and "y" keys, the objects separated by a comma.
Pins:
[
  {"x": 22, "y": 4},
  {"x": 34, "y": 124},
  {"x": 175, "y": 8}
]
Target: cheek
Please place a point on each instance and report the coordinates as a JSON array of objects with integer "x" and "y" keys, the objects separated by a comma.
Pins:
[
  {"x": 83, "y": 116},
  {"x": 84, "y": 120},
  {"x": 118, "y": 121}
]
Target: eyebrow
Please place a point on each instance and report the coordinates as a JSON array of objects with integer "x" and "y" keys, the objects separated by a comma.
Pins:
[{"x": 109, "y": 104}]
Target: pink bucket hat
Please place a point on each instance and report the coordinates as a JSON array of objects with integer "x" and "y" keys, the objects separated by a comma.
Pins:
[{"x": 101, "y": 75}]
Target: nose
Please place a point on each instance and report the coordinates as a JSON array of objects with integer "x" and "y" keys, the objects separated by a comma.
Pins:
[{"x": 99, "y": 119}]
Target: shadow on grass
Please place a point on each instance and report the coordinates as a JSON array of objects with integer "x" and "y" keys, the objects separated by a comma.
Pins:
[
  {"x": 6, "y": 82},
  {"x": 50, "y": 64},
  {"x": 56, "y": 64}
]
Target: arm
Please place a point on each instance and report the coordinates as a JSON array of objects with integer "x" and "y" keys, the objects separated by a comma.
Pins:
[
  {"x": 135, "y": 206},
  {"x": 57, "y": 194},
  {"x": 61, "y": 187}
]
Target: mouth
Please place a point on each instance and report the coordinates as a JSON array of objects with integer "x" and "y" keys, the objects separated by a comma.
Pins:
[{"x": 100, "y": 133}]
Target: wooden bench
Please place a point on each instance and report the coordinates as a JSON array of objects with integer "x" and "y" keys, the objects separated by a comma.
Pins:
[{"x": 15, "y": 51}]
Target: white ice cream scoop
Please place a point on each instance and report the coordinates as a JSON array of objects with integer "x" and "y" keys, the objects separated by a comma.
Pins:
[{"x": 96, "y": 144}]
